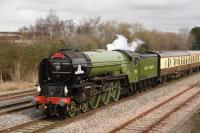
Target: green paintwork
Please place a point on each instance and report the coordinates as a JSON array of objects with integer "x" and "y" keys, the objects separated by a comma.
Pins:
[
  {"x": 72, "y": 109},
  {"x": 105, "y": 97},
  {"x": 111, "y": 62},
  {"x": 147, "y": 67},
  {"x": 94, "y": 101},
  {"x": 116, "y": 90},
  {"x": 116, "y": 62},
  {"x": 130, "y": 69},
  {"x": 84, "y": 107},
  {"x": 105, "y": 62}
]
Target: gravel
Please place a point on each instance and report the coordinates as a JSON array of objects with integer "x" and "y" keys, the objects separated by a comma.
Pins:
[
  {"x": 179, "y": 117},
  {"x": 102, "y": 120},
  {"x": 13, "y": 119},
  {"x": 105, "y": 120},
  {"x": 150, "y": 118}
]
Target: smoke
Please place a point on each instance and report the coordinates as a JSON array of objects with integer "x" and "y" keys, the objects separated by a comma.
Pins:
[{"x": 122, "y": 43}]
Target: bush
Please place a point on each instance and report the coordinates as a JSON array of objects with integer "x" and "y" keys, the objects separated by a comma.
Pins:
[{"x": 20, "y": 62}]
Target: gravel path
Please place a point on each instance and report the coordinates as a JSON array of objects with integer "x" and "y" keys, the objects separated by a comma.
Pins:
[{"x": 105, "y": 120}]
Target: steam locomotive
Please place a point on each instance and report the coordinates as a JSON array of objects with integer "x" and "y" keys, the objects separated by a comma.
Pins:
[{"x": 71, "y": 81}]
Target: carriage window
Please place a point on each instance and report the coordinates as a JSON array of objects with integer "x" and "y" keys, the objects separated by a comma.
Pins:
[
  {"x": 174, "y": 62},
  {"x": 181, "y": 61},
  {"x": 168, "y": 63},
  {"x": 192, "y": 59},
  {"x": 135, "y": 60}
]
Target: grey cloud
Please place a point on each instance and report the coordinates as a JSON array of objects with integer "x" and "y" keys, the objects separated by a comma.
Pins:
[{"x": 161, "y": 14}]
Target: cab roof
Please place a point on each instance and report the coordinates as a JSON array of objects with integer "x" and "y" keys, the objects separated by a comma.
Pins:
[
  {"x": 137, "y": 54},
  {"x": 171, "y": 53}
]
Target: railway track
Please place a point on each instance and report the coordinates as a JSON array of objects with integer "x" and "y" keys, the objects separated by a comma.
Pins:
[
  {"x": 15, "y": 107},
  {"x": 149, "y": 120},
  {"x": 44, "y": 123},
  {"x": 17, "y": 95}
]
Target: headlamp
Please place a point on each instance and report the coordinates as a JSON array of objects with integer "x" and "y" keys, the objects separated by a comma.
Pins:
[
  {"x": 65, "y": 90},
  {"x": 38, "y": 88}
]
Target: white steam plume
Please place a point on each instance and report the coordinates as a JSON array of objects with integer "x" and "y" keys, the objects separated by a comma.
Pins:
[{"x": 122, "y": 43}]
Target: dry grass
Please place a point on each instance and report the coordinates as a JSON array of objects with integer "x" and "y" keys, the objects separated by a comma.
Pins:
[{"x": 9, "y": 86}]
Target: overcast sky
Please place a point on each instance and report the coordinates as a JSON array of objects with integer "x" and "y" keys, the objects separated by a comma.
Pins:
[{"x": 166, "y": 15}]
